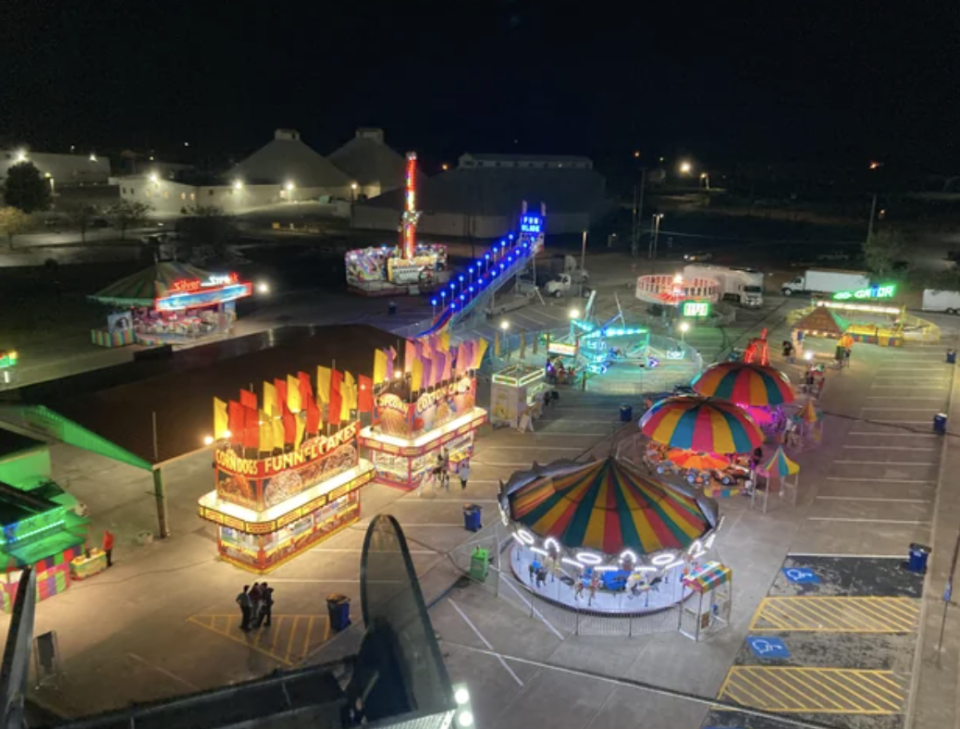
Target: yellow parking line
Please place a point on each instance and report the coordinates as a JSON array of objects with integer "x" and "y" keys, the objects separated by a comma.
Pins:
[
  {"x": 845, "y": 687},
  {"x": 825, "y": 688},
  {"x": 866, "y": 680},
  {"x": 789, "y": 697},
  {"x": 293, "y": 632},
  {"x": 836, "y": 614},
  {"x": 306, "y": 637}
]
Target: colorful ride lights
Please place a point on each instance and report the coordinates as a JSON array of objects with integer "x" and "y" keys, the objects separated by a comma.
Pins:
[
  {"x": 433, "y": 302},
  {"x": 443, "y": 294}
]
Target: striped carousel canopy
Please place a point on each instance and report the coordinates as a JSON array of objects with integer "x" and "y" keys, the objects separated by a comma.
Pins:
[
  {"x": 745, "y": 383},
  {"x": 701, "y": 424},
  {"x": 144, "y": 287},
  {"x": 609, "y": 507},
  {"x": 780, "y": 465}
]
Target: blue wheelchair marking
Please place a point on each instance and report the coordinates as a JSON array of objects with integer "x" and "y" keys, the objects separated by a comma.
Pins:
[
  {"x": 801, "y": 575},
  {"x": 768, "y": 647}
]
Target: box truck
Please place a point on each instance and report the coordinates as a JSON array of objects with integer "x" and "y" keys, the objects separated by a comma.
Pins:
[
  {"x": 743, "y": 284},
  {"x": 945, "y": 301},
  {"x": 821, "y": 281}
]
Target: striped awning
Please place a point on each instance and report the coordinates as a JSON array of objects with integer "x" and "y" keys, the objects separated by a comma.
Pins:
[
  {"x": 144, "y": 287},
  {"x": 780, "y": 465},
  {"x": 608, "y": 506},
  {"x": 745, "y": 383}
]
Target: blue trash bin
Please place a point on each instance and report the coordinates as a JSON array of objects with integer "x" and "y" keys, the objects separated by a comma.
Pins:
[
  {"x": 951, "y": 356},
  {"x": 918, "y": 558},
  {"x": 626, "y": 413},
  {"x": 940, "y": 423},
  {"x": 471, "y": 517},
  {"x": 338, "y": 609}
]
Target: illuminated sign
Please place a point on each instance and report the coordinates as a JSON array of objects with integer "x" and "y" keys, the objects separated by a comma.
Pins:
[
  {"x": 8, "y": 359},
  {"x": 531, "y": 224},
  {"x": 568, "y": 350},
  {"x": 187, "y": 285},
  {"x": 874, "y": 292},
  {"x": 191, "y": 300},
  {"x": 698, "y": 309}
]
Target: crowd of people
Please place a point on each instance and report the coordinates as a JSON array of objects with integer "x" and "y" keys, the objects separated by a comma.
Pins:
[
  {"x": 256, "y": 606},
  {"x": 439, "y": 476}
]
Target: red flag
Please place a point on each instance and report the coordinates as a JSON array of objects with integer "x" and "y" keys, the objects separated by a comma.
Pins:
[
  {"x": 313, "y": 417},
  {"x": 365, "y": 396},
  {"x": 306, "y": 389},
  {"x": 251, "y": 428},
  {"x": 248, "y": 399},
  {"x": 281, "y": 386},
  {"x": 289, "y": 428},
  {"x": 336, "y": 401},
  {"x": 235, "y": 422}
]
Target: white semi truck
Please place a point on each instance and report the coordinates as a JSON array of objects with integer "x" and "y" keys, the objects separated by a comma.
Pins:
[
  {"x": 743, "y": 284},
  {"x": 822, "y": 281},
  {"x": 945, "y": 301}
]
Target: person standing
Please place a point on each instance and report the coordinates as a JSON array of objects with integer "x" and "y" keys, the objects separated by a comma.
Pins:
[
  {"x": 463, "y": 471},
  {"x": 256, "y": 601},
  {"x": 243, "y": 600},
  {"x": 108, "y": 546},
  {"x": 266, "y": 605}
]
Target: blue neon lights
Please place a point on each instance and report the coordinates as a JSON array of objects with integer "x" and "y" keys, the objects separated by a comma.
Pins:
[{"x": 531, "y": 224}]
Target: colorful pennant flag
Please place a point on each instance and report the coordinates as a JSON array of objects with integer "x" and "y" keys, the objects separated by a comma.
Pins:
[
  {"x": 276, "y": 422},
  {"x": 416, "y": 375},
  {"x": 248, "y": 399},
  {"x": 270, "y": 402},
  {"x": 445, "y": 340},
  {"x": 379, "y": 366},
  {"x": 478, "y": 350},
  {"x": 306, "y": 389},
  {"x": 313, "y": 417},
  {"x": 289, "y": 428},
  {"x": 221, "y": 419},
  {"x": 251, "y": 428},
  {"x": 281, "y": 386},
  {"x": 323, "y": 384},
  {"x": 409, "y": 355},
  {"x": 427, "y": 372},
  {"x": 439, "y": 364},
  {"x": 365, "y": 395},
  {"x": 300, "y": 425},
  {"x": 391, "y": 356},
  {"x": 235, "y": 422},
  {"x": 266, "y": 433},
  {"x": 293, "y": 394},
  {"x": 447, "y": 366},
  {"x": 336, "y": 400},
  {"x": 348, "y": 390}
]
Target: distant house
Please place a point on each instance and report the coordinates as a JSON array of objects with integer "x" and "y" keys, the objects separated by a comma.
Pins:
[
  {"x": 482, "y": 196},
  {"x": 370, "y": 163},
  {"x": 62, "y": 169}
]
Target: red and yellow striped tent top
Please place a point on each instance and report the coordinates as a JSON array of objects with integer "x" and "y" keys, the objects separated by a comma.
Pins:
[{"x": 608, "y": 506}]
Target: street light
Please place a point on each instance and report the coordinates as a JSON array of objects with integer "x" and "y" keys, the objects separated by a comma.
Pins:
[
  {"x": 655, "y": 237},
  {"x": 21, "y": 156},
  {"x": 153, "y": 178},
  {"x": 353, "y": 190},
  {"x": 504, "y": 325},
  {"x": 238, "y": 184},
  {"x": 574, "y": 313},
  {"x": 263, "y": 287},
  {"x": 686, "y": 168},
  {"x": 706, "y": 180},
  {"x": 684, "y": 328},
  {"x": 93, "y": 157}
]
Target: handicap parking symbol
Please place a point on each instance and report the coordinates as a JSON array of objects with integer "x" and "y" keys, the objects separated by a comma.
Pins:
[
  {"x": 801, "y": 574},
  {"x": 768, "y": 647}
]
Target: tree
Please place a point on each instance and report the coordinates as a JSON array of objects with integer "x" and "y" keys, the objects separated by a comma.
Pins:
[
  {"x": 205, "y": 234},
  {"x": 81, "y": 215},
  {"x": 13, "y": 221},
  {"x": 128, "y": 214},
  {"x": 26, "y": 189},
  {"x": 881, "y": 250}
]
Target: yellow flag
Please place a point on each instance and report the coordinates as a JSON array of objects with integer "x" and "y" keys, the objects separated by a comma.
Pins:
[
  {"x": 416, "y": 374},
  {"x": 348, "y": 393},
  {"x": 221, "y": 421},
  {"x": 323, "y": 384},
  {"x": 379, "y": 367},
  {"x": 277, "y": 424},
  {"x": 445, "y": 339},
  {"x": 293, "y": 394},
  {"x": 496, "y": 344},
  {"x": 270, "y": 402},
  {"x": 266, "y": 433},
  {"x": 301, "y": 429},
  {"x": 479, "y": 351}
]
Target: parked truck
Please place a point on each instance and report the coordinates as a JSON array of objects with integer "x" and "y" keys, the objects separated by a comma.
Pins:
[
  {"x": 566, "y": 284},
  {"x": 742, "y": 284},
  {"x": 824, "y": 281},
  {"x": 945, "y": 301}
]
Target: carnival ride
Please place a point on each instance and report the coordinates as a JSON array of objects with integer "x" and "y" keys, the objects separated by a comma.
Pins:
[
  {"x": 673, "y": 290},
  {"x": 604, "y": 537}
]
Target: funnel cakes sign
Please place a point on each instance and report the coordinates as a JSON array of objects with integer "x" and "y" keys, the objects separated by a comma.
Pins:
[
  {"x": 264, "y": 482},
  {"x": 431, "y": 410}
]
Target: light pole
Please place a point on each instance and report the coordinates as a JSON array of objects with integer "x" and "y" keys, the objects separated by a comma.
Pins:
[
  {"x": 873, "y": 213},
  {"x": 353, "y": 191},
  {"x": 706, "y": 180},
  {"x": 504, "y": 327},
  {"x": 654, "y": 234},
  {"x": 583, "y": 261},
  {"x": 684, "y": 328}
]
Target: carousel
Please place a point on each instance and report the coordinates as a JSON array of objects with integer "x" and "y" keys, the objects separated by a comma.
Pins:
[
  {"x": 760, "y": 389},
  {"x": 604, "y": 537}
]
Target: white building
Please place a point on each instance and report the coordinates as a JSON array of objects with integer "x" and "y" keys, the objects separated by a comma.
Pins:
[{"x": 62, "y": 169}]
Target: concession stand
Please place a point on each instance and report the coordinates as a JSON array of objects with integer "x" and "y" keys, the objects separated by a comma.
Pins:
[{"x": 515, "y": 391}]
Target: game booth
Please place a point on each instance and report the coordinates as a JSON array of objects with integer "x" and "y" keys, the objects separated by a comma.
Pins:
[
  {"x": 431, "y": 405},
  {"x": 284, "y": 481},
  {"x": 605, "y": 538},
  {"x": 169, "y": 303},
  {"x": 41, "y": 526},
  {"x": 516, "y": 391},
  {"x": 408, "y": 267}
]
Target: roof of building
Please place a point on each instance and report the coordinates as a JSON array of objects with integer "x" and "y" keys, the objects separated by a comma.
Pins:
[
  {"x": 144, "y": 287},
  {"x": 367, "y": 160},
  {"x": 287, "y": 159},
  {"x": 110, "y": 411},
  {"x": 823, "y": 319},
  {"x": 498, "y": 191}
]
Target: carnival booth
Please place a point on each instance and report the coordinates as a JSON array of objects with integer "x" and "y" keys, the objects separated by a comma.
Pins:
[
  {"x": 781, "y": 471},
  {"x": 284, "y": 480},
  {"x": 604, "y": 537},
  {"x": 823, "y": 321},
  {"x": 426, "y": 413},
  {"x": 710, "y": 610},
  {"x": 516, "y": 391},
  {"x": 697, "y": 425},
  {"x": 805, "y": 429},
  {"x": 169, "y": 303},
  {"x": 759, "y": 389}
]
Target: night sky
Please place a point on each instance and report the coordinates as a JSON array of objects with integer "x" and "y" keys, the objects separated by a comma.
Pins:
[{"x": 842, "y": 81}]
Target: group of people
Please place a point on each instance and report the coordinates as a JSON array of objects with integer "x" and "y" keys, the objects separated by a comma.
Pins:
[
  {"x": 439, "y": 475},
  {"x": 256, "y": 606}
]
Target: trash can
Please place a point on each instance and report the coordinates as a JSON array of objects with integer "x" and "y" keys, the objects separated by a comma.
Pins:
[
  {"x": 626, "y": 413},
  {"x": 940, "y": 423},
  {"x": 479, "y": 564},
  {"x": 471, "y": 517},
  {"x": 951, "y": 356},
  {"x": 392, "y": 308},
  {"x": 338, "y": 609},
  {"x": 918, "y": 558}
]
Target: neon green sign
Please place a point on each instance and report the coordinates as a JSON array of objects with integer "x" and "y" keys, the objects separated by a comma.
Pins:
[
  {"x": 874, "y": 292},
  {"x": 7, "y": 359},
  {"x": 698, "y": 309}
]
